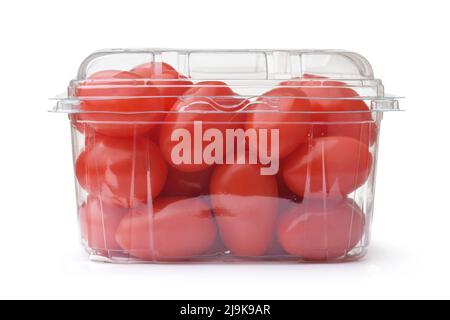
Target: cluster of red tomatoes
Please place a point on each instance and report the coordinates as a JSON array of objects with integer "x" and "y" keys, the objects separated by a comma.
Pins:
[{"x": 142, "y": 203}]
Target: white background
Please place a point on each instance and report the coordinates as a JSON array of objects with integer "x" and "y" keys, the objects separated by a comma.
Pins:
[{"x": 43, "y": 42}]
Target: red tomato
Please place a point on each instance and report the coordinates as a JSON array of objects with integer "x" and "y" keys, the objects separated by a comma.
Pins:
[
  {"x": 122, "y": 171},
  {"x": 152, "y": 70},
  {"x": 98, "y": 222},
  {"x": 175, "y": 229},
  {"x": 169, "y": 90},
  {"x": 187, "y": 184},
  {"x": 124, "y": 116},
  {"x": 327, "y": 167},
  {"x": 197, "y": 106},
  {"x": 245, "y": 205},
  {"x": 293, "y": 130},
  {"x": 321, "y": 230},
  {"x": 356, "y": 122}
]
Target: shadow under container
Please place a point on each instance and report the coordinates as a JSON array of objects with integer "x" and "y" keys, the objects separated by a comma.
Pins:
[{"x": 212, "y": 156}]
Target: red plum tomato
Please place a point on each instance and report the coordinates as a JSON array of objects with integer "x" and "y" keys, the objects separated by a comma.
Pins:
[
  {"x": 327, "y": 167},
  {"x": 245, "y": 206},
  {"x": 124, "y": 172},
  {"x": 321, "y": 230},
  {"x": 175, "y": 228}
]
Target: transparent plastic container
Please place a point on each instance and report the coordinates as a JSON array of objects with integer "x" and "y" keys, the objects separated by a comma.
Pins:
[{"x": 250, "y": 155}]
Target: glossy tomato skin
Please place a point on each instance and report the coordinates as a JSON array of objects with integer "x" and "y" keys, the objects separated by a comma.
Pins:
[
  {"x": 328, "y": 167},
  {"x": 336, "y": 115},
  {"x": 294, "y": 128},
  {"x": 163, "y": 73},
  {"x": 200, "y": 105},
  {"x": 98, "y": 223},
  {"x": 245, "y": 205},
  {"x": 321, "y": 230},
  {"x": 176, "y": 228},
  {"x": 123, "y": 116},
  {"x": 121, "y": 171}
]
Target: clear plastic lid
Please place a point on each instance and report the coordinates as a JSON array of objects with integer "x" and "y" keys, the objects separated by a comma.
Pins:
[{"x": 153, "y": 80}]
